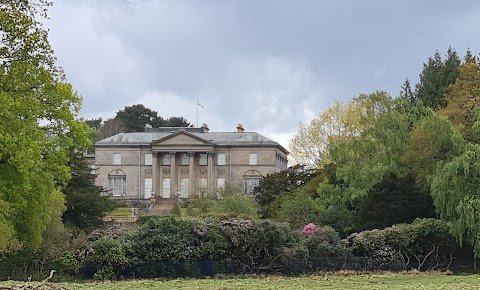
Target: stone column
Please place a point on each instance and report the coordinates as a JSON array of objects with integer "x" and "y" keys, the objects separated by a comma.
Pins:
[
  {"x": 154, "y": 174},
  {"x": 210, "y": 176},
  {"x": 173, "y": 175},
  {"x": 191, "y": 173},
  {"x": 160, "y": 174}
]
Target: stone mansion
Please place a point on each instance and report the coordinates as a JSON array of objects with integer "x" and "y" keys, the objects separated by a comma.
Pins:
[{"x": 177, "y": 162}]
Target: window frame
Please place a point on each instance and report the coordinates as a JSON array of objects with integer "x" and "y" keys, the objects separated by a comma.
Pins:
[
  {"x": 167, "y": 159},
  {"x": 249, "y": 184},
  {"x": 149, "y": 159},
  {"x": 203, "y": 157},
  {"x": 118, "y": 185},
  {"x": 221, "y": 159},
  {"x": 253, "y": 158},
  {"x": 145, "y": 187},
  {"x": 117, "y": 159},
  {"x": 185, "y": 159}
]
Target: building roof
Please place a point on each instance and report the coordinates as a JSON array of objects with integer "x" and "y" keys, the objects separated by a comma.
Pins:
[{"x": 218, "y": 138}]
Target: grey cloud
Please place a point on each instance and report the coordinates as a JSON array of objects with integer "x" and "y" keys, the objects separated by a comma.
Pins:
[{"x": 263, "y": 63}]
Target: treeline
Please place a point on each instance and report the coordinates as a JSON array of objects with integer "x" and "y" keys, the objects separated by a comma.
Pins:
[
  {"x": 132, "y": 119},
  {"x": 376, "y": 160}
]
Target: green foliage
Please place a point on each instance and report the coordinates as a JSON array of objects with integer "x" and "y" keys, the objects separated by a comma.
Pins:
[
  {"x": 433, "y": 140},
  {"x": 436, "y": 76},
  {"x": 238, "y": 203},
  {"x": 297, "y": 208},
  {"x": 363, "y": 161},
  {"x": 273, "y": 185},
  {"x": 464, "y": 99},
  {"x": 135, "y": 117},
  {"x": 455, "y": 192},
  {"x": 176, "y": 210},
  {"x": 86, "y": 206},
  {"x": 395, "y": 200},
  {"x": 33, "y": 157},
  {"x": 425, "y": 244},
  {"x": 66, "y": 265},
  {"x": 108, "y": 258},
  {"x": 323, "y": 245}
]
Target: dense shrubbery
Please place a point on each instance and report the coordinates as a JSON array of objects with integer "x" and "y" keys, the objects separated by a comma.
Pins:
[
  {"x": 171, "y": 246},
  {"x": 425, "y": 244}
]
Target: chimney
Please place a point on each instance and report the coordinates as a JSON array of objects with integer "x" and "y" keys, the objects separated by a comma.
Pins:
[
  {"x": 204, "y": 128},
  {"x": 240, "y": 128}
]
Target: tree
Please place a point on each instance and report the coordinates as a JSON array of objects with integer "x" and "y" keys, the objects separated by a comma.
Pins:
[
  {"x": 135, "y": 117},
  {"x": 432, "y": 141},
  {"x": 406, "y": 92},
  {"x": 464, "y": 98},
  {"x": 436, "y": 76},
  {"x": 86, "y": 205},
  {"x": 272, "y": 185},
  {"x": 38, "y": 125},
  {"x": 395, "y": 200},
  {"x": 112, "y": 127},
  {"x": 378, "y": 150},
  {"x": 456, "y": 191},
  {"x": 175, "y": 122},
  {"x": 311, "y": 144}
]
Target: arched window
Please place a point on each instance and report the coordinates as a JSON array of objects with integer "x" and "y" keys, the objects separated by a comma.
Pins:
[
  {"x": 251, "y": 179},
  {"x": 117, "y": 183}
]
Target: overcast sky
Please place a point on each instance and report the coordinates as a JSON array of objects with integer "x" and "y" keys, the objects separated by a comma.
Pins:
[{"x": 268, "y": 65}]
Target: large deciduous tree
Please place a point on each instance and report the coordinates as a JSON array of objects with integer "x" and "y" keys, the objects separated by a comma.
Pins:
[
  {"x": 310, "y": 146},
  {"x": 456, "y": 192},
  {"x": 38, "y": 125}
]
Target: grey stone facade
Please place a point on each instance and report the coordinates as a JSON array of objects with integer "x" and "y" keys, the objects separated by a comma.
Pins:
[{"x": 178, "y": 162}]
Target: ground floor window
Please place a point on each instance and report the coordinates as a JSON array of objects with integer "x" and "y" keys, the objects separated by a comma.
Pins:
[
  {"x": 220, "y": 182},
  {"x": 184, "y": 187},
  {"x": 117, "y": 185},
  {"x": 249, "y": 183},
  {"x": 166, "y": 187},
  {"x": 148, "y": 187}
]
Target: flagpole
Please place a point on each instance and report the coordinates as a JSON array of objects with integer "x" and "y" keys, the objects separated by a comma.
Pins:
[{"x": 197, "y": 112}]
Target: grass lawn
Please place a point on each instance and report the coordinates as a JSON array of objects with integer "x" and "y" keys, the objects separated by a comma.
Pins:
[
  {"x": 417, "y": 281},
  {"x": 121, "y": 212}
]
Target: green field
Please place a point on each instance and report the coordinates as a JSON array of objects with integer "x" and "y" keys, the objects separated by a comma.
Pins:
[{"x": 417, "y": 281}]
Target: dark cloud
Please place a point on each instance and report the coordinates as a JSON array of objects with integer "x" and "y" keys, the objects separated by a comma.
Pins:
[{"x": 266, "y": 64}]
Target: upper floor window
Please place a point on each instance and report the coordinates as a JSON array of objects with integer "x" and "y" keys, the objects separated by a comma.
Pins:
[
  {"x": 148, "y": 158},
  {"x": 221, "y": 158},
  {"x": 252, "y": 159},
  {"x": 203, "y": 159},
  {"x": 167, "y": 159},
  {"x": 117, "y": 159},
  {"x": 185, "y": 159}
]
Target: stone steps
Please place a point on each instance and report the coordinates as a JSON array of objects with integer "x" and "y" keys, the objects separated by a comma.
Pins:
[{"x": 162, "y": 207}]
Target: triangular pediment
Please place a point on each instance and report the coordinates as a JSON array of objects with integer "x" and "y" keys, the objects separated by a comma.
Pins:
[{"x": 181, "y": 138}]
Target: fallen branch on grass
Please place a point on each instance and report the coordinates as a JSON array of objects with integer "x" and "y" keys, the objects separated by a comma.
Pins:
[{"x": 44, "y": 285}]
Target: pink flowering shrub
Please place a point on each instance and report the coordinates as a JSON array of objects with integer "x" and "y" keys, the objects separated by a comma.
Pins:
[{"x": 310, "y": 229}]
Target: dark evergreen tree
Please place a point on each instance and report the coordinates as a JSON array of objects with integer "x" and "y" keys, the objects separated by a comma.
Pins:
[
  {"x": 394, "y": 200},
  {"x": 436, "y": 76},
  {"x": 86, "y": 206}
]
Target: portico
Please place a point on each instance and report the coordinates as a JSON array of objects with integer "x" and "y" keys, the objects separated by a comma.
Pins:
[{"x": 179, "y": 161}]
